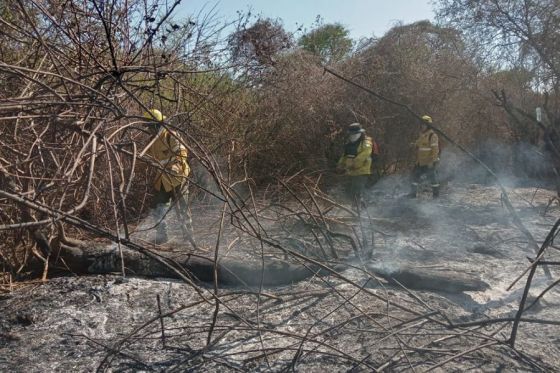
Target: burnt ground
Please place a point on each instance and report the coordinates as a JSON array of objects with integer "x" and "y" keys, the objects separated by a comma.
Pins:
[{"x": 351, "y": 322}]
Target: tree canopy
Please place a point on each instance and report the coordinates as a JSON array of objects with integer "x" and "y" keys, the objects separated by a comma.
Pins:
[{"x": 331, "y": 42}]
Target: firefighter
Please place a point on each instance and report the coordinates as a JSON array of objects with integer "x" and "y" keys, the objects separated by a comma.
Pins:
[
  {"x": 356, "y": 162},
  {"x": 171, "y": 155},
  {"x": 427, "y": 158}
]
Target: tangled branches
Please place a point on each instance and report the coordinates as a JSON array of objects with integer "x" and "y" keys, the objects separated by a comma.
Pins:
[{"x": 78, "y": 77}]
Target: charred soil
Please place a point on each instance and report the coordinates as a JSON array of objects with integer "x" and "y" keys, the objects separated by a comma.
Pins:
[{"x": 349, "y": 320}]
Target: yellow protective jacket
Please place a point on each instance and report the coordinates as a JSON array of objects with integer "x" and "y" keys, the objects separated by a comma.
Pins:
[
  {"x": 360, "y": 163},
  {"x": 427, "y": 148},
  {"x": 172, "y": 156}
]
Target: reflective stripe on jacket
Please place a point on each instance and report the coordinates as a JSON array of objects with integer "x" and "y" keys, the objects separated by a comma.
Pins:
[
  {"x": 359, "y": 164},
  {"x": 427, "y": 148},
  {"x": 172, "y": 156}
]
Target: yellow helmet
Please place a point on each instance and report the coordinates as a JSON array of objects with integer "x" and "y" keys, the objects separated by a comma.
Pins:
[
  {"x": 427, "y": 118},
  {"x": 155, "y": 114}
]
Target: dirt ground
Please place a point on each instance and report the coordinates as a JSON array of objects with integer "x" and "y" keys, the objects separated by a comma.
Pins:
[{"x": 351, "y": 322}]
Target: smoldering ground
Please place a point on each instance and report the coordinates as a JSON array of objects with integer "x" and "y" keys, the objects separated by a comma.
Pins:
[
  {"x": 468, "y": 229},
  {"x": 108, "y": 322},
  {"x": 468, "y": 224},
  {"x": 321, "y": 314}
]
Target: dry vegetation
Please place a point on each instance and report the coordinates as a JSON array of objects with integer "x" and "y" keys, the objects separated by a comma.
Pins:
[{"x": 253, "y": 107}]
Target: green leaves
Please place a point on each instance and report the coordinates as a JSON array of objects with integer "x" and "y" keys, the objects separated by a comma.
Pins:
[{"x": 330, "y": 42}]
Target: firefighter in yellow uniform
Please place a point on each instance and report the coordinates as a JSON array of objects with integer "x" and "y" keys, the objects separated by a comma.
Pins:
[
  {"x": 427, "y": 159},
  {"x": 356, "y": 161},
  {"x": 171, "y": 154}
]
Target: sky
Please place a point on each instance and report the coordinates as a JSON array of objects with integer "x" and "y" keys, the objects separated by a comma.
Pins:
[{"x": 364, "y": 18}]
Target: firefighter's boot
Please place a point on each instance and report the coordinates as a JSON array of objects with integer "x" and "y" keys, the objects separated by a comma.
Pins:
[{"x": 435, "y": 191}]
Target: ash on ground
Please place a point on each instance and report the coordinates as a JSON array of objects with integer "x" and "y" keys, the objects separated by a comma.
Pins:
[{"x": 355, "y": 321}]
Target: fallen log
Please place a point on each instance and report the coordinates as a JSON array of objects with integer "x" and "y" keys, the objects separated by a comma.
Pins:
[
  {"x": 443, "y": 280},
  {"x": 91, "y": 258}
]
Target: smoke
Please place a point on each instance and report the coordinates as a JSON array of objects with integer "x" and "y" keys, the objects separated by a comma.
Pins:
[
  {"x": 467, "y": 229},
  {"x": 464, "y": 230},
  {"x": 205, "y": 188},
  {"x": 519, "y": 164},
  {"x": 202, "y": 197},
  {"x": 166, "y": 223}
]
